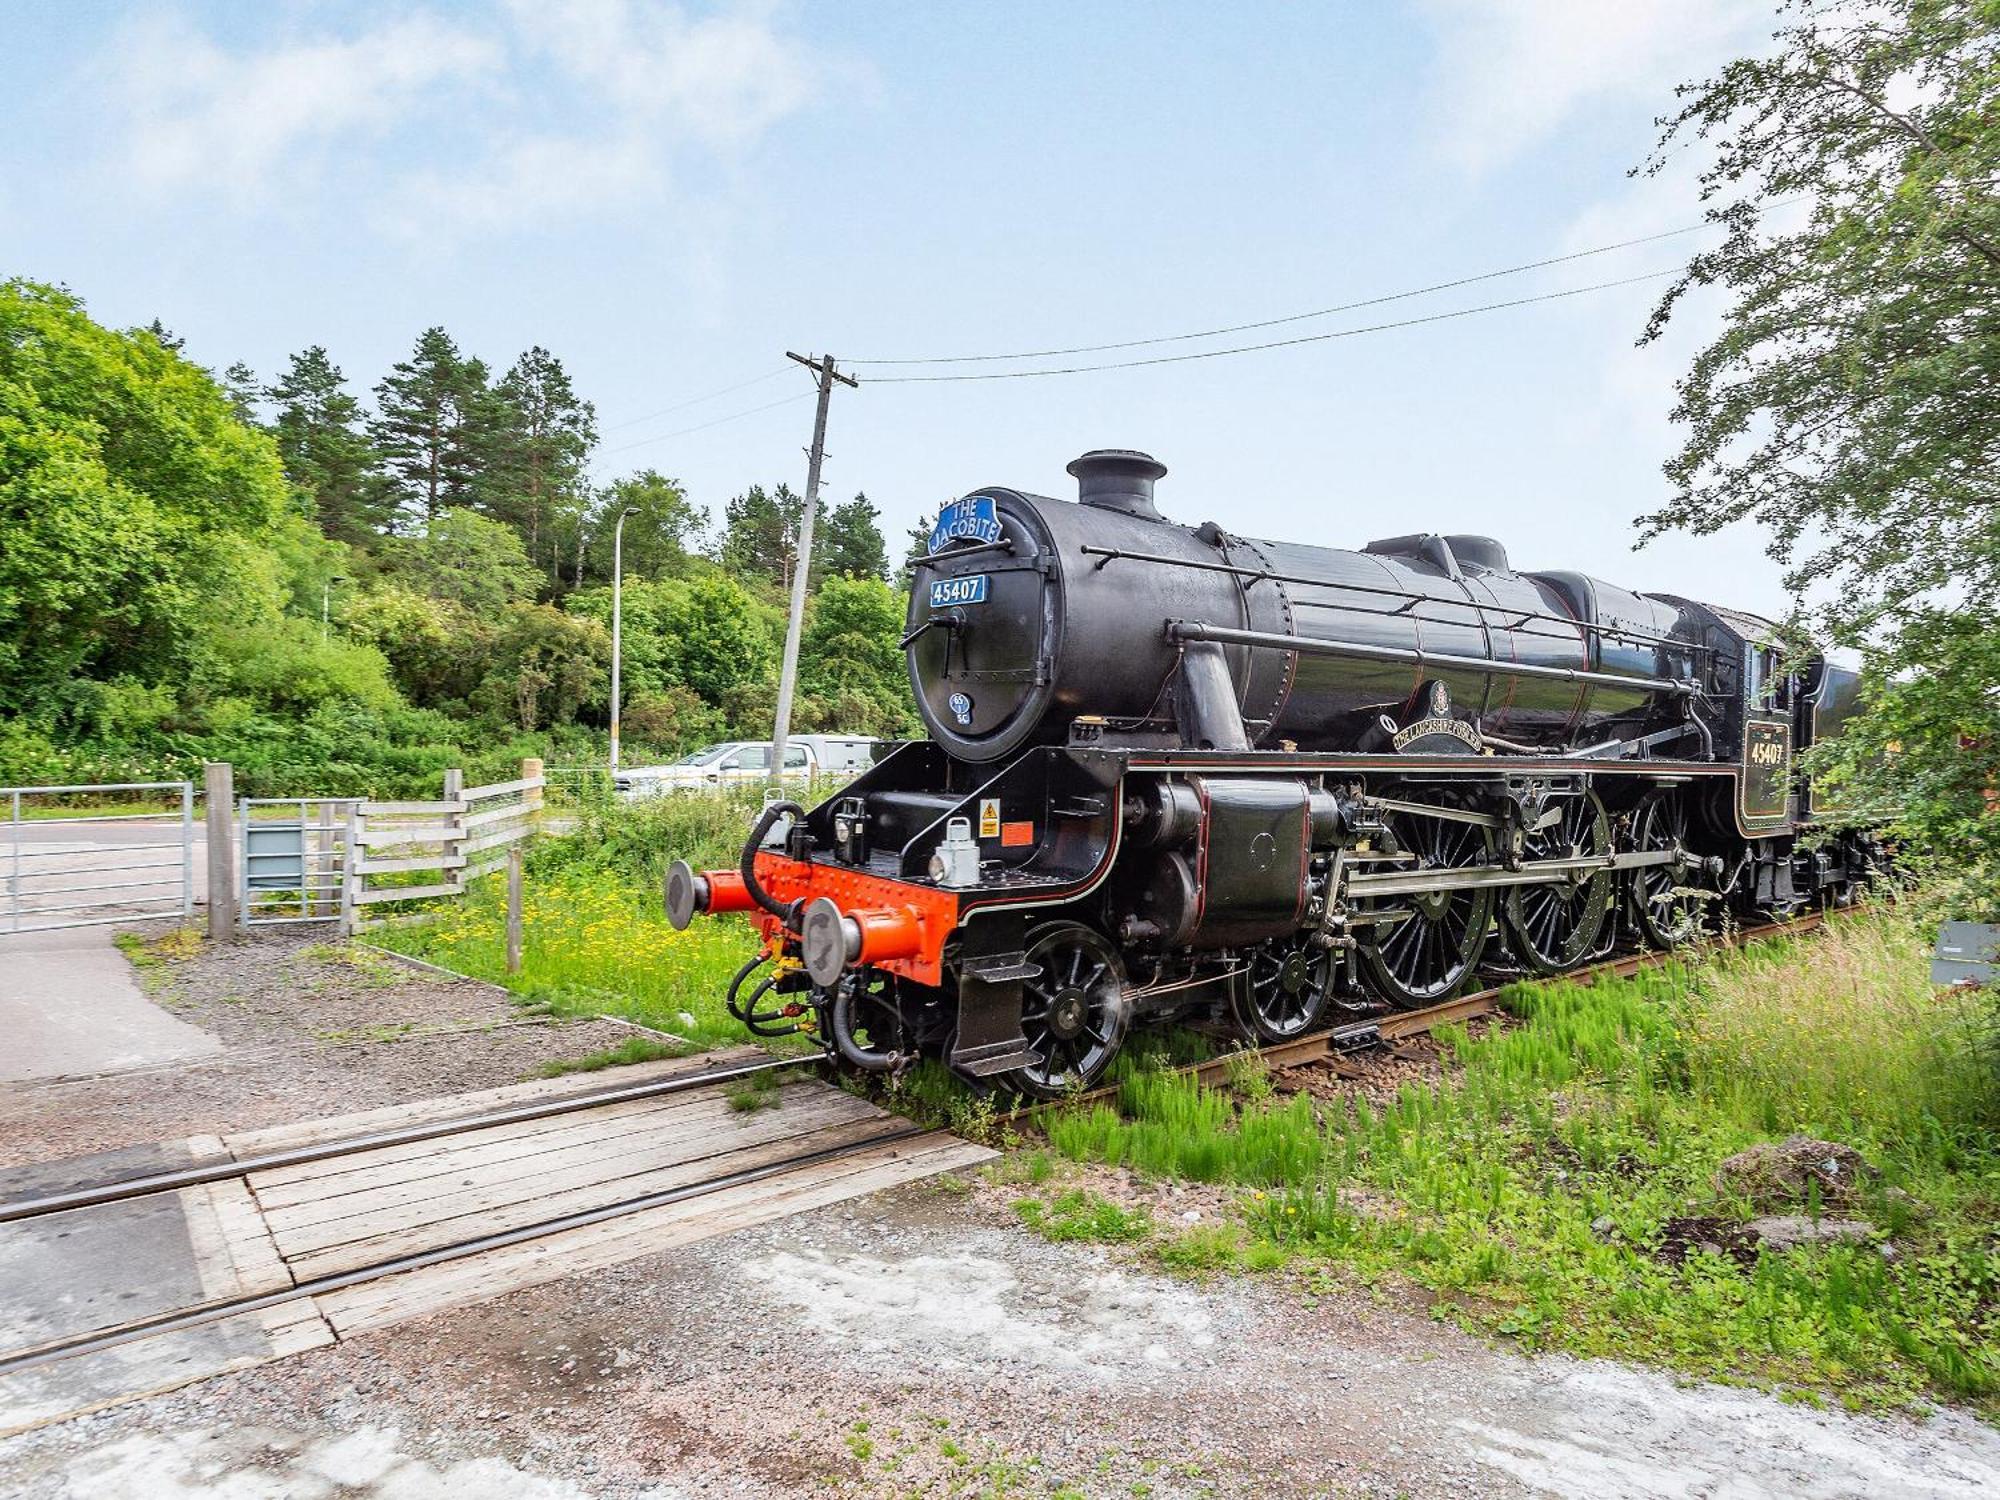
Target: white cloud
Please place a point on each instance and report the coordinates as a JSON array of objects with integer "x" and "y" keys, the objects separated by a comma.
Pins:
[
  {"x": 725, "y": 78},
  {"x": 198, "y": 115},
  {"x": 1511, "y": 73},
  {"x": 533, "y": 108}
]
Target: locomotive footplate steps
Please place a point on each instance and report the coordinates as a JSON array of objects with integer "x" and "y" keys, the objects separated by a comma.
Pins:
[{"x": 140, "y": 1294}]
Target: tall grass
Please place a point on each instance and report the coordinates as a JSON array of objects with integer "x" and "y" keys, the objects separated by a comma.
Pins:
[
  {"x": 1842, "y": 1031},
  {"x": 1535, "y": 1190}
]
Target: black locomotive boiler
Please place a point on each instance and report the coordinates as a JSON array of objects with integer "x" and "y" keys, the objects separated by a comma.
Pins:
[{"x": 1175, "y": 771}]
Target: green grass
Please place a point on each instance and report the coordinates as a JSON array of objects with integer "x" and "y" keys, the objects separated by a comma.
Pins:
[
  {"x": 637, "y": 1049},
  {"x": 592, "y": 944},
  {"x": 1612, "y": 1105},
  {"x": 1080, "y": 1215}
]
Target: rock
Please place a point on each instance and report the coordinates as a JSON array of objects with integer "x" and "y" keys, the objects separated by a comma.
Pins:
[
  {"x": 1774, "y": 1174},
  {"x": 1604, "y": 1227},
  {"x": 1789, "y": 1231}
]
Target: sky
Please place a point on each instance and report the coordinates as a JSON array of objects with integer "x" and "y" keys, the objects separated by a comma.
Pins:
[{"x": 669, "y": 197}]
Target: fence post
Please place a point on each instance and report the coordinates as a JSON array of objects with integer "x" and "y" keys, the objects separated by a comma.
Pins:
[
  {"x": 218, "y": 782},
  {"x": 531, "y": 770},
  {"x": 187, "y": 853},
  {"x": 351, "y": 872},
  {"x": 453, "y": 841},
  {"x": 514, "y": 908},
  {"x": 318, "y": 876}
]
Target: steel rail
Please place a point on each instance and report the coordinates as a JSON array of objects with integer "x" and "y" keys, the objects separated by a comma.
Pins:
[
  {"x": 216, "y": 1309},
  {"x": 222, "y": 1170},
  {"x": 1395, "y": 1025}
]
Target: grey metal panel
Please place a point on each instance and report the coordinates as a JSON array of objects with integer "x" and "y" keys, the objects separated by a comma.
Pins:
[{"x": 1967, "y": 953}]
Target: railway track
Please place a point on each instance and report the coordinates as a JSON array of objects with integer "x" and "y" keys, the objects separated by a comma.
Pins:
[
  {"x": 853, "y": 1142},
  {"x": 1330, "y": 1046}
]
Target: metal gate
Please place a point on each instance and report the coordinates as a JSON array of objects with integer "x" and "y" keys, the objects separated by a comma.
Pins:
[
  {"x": 293, "y": 859},
  {"x": 63, "y": 868}
]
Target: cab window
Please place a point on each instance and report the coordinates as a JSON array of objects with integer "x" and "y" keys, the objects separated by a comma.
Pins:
[
  {"x": 1770, "y": 681},
  {"x": 753, "y": 758},
  {"x": 795, "y": 757}
]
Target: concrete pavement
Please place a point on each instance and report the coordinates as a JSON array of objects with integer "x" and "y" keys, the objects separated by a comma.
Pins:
[{"x": 70, "y": 1003}]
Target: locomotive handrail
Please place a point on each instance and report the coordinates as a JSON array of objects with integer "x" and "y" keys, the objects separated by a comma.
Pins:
[
  {"x": 1201, "y": 630},
  {"x": 1642, "y": 637}
]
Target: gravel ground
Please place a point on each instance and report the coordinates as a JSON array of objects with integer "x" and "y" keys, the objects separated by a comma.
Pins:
[
  {"x": 306, "y": 1032},
  {"x": 919, "y": 1343}
]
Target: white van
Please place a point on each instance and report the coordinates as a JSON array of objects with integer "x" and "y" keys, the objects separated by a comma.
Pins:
[{"x": 735, "y": 762}]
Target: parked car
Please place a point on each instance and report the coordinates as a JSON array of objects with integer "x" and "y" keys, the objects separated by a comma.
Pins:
[{"x": 734, "y": 762}]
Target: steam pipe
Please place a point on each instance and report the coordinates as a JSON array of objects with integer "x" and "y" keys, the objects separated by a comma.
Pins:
[
  {"x": 1198, "y": 630},
  {"x": 788, "y": 914}
]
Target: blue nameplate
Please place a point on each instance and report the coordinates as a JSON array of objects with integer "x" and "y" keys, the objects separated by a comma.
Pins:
[{"x": 972, "y": 519}]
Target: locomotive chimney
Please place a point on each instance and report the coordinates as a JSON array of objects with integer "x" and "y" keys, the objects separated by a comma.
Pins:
[{"x": 1118, "y": 479}]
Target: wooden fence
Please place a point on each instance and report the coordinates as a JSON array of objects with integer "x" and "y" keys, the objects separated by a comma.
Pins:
[{"x": 461, "y": 836}]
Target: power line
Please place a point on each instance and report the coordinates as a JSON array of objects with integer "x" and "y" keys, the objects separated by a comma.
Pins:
[
  {"x": 1324, "y": 312},
  {"x": 1308, "y": 338},
  {"x": 704, "y": 426},
  {"x": 727, "y": 390}
]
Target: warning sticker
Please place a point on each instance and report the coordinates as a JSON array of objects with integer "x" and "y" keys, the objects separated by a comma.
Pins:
[
  {"x": 1016, "y": 835},
  {"x": 989, "y": 817}
]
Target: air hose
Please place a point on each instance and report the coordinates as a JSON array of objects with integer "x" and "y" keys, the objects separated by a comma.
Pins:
[
  {"x": 841, "y": 1025},
  {"x": 736, "y": 985},
  {"x": 788, "y": 913}
]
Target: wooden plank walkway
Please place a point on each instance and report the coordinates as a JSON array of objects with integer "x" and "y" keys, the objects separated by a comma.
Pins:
[{"x": 274, "y": 1229}]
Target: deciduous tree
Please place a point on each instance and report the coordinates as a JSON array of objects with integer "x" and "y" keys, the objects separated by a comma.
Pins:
[{"x": 1849, "y": 405}]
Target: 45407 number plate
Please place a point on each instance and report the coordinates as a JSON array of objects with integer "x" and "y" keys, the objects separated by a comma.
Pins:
[{"x": 946, "y": 592}]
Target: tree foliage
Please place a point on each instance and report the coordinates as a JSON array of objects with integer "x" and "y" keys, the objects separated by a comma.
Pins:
[
  {"x": 1849, "y": 404},
  {"x": 537, "y": 434},
  {"x": 168, "y": 538},
  {"x": 431, "y": 415},
  {"x": 327, "y": 456},
  {"x": 848, "y": 543},
  {"x": 130, "y": 498}
]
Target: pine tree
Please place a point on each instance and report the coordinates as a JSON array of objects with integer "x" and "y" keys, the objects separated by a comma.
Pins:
[
  {"x": 432, "y": 410},
  {"x": 848, "y": 543},
  {"x": 918, "y": 538},
  {"x": 328, "y": 457},
  {"x": 170, "y": 341},
  {"x": 537, "y": 438},
  {"x": 760, "y": 534},
  {"x": 245, "y": 394}
]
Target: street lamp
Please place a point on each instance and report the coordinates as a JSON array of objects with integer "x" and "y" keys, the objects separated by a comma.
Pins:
[
  {"x": 326, "y": 603},
  {"x": 617, "y": 619}
]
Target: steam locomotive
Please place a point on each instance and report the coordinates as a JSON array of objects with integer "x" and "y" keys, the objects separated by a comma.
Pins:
[{"x": 1175, "y": 772}]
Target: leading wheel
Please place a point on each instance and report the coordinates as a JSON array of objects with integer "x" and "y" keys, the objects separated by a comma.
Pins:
[
  {"x": 1074, "y": 1013},
  {"x": 1667, "y": 911},
  {"x": 1554, "y": 926},
  {"x": 1282, "y": 989},
  {"x": 1423, "y": 957}
]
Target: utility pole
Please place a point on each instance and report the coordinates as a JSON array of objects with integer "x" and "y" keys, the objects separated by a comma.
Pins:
[
  {"x": 788, "y": 671},
  {"x": 617, "y": 619}
]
